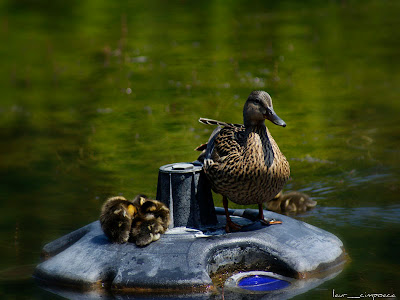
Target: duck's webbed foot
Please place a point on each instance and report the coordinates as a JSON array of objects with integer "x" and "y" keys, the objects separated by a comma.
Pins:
[
  {"x": 231, "y": 226},
  {"x": 270, "y": 221},
  {"x": 264, "y": 220}
]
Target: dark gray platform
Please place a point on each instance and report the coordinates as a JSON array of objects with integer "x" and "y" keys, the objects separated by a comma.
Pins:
[{"x": 187, "y": 260}]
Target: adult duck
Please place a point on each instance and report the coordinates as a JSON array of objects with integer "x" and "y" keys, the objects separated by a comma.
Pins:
[{"x": 243, "y": 162}]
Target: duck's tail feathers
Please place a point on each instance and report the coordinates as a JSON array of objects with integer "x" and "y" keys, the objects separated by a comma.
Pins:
[
  {"x": 201, "y": 147},
  {"x": 220, "y": 123}
]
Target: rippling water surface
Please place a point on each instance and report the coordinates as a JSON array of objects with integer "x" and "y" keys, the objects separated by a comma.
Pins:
[{"x": 97, "y": 95}]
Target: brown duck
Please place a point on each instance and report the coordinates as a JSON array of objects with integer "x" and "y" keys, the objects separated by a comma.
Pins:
[
  {"x": 291, "y": 203},
  {"x": 243, "y": 162}
]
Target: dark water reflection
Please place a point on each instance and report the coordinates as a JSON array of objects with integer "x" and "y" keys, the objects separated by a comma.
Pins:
[
  {"x": 364, "y": 217},
  {"x": 97, "y": 95}
]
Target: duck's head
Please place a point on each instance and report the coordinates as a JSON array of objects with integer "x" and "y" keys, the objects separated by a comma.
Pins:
[{"x": 257, "y": 108}]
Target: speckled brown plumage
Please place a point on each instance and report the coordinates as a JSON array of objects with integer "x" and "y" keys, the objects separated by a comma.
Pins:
[{"x": 244, "y": 163}]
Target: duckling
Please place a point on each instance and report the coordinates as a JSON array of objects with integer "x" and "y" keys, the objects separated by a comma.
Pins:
[
  {"x": 116, "y": 218},
  {"x": 159, "y": 210},
  {"x": 243, "y": 162},
  {"x": 292, "y": 202},
  {"x": 151, "y": 221}
]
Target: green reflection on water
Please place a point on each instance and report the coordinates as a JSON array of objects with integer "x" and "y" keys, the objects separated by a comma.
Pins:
[{"x": 97, "y": 95}]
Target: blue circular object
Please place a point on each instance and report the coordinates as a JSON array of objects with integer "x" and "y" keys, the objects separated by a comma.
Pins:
[{"x": 262, "y": 283}]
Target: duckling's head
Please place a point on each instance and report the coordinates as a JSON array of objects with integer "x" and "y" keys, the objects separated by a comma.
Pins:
[
  {"x": 145, "y": 205},
  {"x": 257, "y": 108},
  {"x": 139, "y": 199},
  {"x": 148, "y": 206}
]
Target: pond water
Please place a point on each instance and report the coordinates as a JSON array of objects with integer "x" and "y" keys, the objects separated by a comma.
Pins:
[{"x": 97, "y": 95}]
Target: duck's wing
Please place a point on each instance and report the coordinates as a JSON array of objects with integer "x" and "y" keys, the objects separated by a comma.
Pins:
[
  {"x": 219, "y": 123},
  {"x": 211, "y": 143},
  {"x": 222, "y": 142},
  {"x": 228, "y": 138}
]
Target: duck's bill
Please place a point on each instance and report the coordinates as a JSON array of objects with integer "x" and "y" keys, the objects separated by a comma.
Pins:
[{"x": 275, "y": 119}]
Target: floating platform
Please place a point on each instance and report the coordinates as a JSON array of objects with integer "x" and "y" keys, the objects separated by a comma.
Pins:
[
  {"x": 195, "y": 257},
  {"x": 192, "y": 261}
]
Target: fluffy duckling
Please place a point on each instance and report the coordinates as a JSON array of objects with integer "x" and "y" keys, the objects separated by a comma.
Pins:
[
  {"x": 292, "y": 202},
  {"x": 116, "y": 218},
  {"x": 151, "y": 221}
]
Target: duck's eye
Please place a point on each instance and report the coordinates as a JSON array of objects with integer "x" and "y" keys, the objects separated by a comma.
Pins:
[{"x": 256, "y": 101}]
